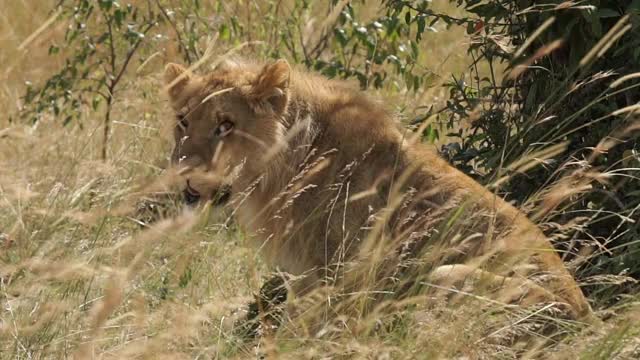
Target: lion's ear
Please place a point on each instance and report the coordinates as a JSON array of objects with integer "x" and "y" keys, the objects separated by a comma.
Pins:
[
  {"x": 271, "y": 87},
  {"x": 176, "y": 77}
]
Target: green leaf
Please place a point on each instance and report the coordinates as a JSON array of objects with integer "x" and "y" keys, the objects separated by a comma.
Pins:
[
  {"x": 341, "y": 36},
  {"x": 470, "y": 28},
  {"x": 607, "y": 13},
  {"x": 105, "y": 4},
  {"x": 414, "y": 50},
  {"x": 225, "y": 32},
  {"x": 119, "y": 17},
  {"x": 431, "y": 134},
  {"x": 421, "y": 25},
  {"x": 634, "y": 6}
]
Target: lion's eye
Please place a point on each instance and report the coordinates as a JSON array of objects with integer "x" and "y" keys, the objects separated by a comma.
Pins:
[{"x": 224, "y": 129}]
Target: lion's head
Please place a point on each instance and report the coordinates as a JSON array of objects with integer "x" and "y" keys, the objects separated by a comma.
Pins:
[{"x": 225, "y": 123}]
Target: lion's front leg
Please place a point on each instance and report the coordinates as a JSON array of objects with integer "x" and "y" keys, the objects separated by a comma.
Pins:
[{"x": 266, "y": 311}]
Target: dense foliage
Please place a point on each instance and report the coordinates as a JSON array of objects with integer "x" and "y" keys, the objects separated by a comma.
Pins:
[{"x": 563, "y": 60}]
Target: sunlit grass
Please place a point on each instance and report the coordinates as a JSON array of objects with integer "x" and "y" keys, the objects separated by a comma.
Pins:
[{"x": 82, "y": 275}]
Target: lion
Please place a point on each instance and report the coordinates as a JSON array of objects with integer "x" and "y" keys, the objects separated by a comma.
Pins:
[{"x": 328, "y": 186}]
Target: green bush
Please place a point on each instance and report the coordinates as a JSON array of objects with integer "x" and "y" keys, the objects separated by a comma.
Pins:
[
  {"x": 100, "y": 41},
  {"x": 562, "y": 60}
]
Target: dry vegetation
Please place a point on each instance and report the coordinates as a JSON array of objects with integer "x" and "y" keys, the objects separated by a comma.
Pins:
[{"x": 83, "y": 276}]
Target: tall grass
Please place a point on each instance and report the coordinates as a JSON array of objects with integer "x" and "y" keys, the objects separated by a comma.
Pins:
[{"x": 83, "y": 274}]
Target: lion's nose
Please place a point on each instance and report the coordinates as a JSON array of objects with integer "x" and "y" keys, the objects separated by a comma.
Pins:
[{"x": 191, "y": 195}]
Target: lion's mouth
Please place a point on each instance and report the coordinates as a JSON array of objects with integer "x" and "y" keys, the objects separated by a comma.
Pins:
[
  {"x": 220, "y": 197},
  {"x": 191, "y": 195}
]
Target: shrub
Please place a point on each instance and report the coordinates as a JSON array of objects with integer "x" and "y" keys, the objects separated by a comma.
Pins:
[
  {"x": 562, "y": 61},
  {"x": 100, "y": 41}
]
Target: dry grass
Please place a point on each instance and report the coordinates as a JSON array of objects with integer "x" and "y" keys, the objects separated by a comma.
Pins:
[{"x": 80, "y": 277}]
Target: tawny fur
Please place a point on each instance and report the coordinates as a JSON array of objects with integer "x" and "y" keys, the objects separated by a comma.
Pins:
[{"x": 321, "y": 174}]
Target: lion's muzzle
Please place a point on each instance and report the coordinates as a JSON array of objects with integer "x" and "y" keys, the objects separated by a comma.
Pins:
[
  {"x": 218, "y": 197},
  {"x": 191, "y": 196}
]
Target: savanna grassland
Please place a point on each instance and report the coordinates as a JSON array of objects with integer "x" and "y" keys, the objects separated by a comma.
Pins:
[{"x": 99, "y": 258}]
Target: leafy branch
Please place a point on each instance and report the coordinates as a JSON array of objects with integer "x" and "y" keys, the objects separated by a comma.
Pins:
[{"x": 102, "y": 37}]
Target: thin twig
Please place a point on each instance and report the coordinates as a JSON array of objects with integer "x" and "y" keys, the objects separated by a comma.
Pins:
[{"x": 175, "y": 29}]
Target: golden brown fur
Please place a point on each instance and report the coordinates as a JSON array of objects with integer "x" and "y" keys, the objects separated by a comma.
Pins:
[{"x": 321, "y": 175}]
